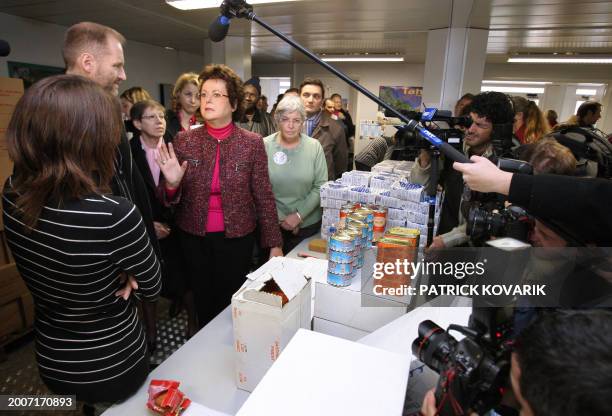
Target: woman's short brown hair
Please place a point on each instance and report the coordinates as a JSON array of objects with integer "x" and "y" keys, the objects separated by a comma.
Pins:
[
  {"x": 179, "y": 85},
  {"x": 549, "y": 156},
  {"x": 233, "y": 83},
  {"x": 62, "y": 139}
]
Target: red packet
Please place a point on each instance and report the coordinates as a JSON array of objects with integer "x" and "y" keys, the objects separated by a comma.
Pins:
[{"x": 165, "y": 398}]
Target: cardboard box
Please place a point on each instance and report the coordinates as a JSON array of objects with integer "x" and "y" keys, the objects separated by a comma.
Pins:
[
  {"x": 263, "y": 326},
  {"x": 337, "y": 330},
  {"x": 16, "y": 303},
  {"x": 11, "y": 90},
  {"x": 322, "y": 375},
  {"x": 6, "y": 170}
]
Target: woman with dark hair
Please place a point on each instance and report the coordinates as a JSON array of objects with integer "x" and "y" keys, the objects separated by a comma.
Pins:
[
  {"x": 217, "y": 178},
  {"x": 74, "y": 244},
  {"x": 148, "y": 118}
]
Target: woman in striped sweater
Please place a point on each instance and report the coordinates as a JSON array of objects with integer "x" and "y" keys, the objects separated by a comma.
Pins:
[{"x": 74, "y": 244}]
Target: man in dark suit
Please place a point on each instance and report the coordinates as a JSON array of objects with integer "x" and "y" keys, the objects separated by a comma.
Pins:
[
  {"x": 95, "y": 51},
  {"x": 320, "y": 125}
]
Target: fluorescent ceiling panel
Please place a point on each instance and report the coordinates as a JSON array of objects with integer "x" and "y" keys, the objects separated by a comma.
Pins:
[
  {"x": 211, "y": 4},
  {"x": 518, "y": 90}
]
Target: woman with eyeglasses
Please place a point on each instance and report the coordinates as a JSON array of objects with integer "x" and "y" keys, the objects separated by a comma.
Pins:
[
  {"x": 217, "y": 179},
  {"x": 297, "y": 169},
  {"x": 149, "y": 121},
  {"x": 185, "y": 104}
]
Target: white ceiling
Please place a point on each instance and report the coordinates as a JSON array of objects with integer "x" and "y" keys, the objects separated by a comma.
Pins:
[{"x": 341, "y": 26}]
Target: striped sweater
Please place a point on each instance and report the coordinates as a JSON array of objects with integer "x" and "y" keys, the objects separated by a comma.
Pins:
[{"x": 87, "y": 338}]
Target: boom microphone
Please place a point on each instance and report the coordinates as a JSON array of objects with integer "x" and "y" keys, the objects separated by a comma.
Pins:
[
  {"x": 5, "y": 48},
  {"x": 217, "y": 31}
]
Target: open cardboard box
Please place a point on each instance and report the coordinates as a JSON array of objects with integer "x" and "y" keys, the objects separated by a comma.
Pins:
[{"x": 266, "y": 313}]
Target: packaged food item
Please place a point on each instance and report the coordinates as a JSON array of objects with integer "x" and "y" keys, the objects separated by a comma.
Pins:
[
  {"x": 166, "y": 399},
  {"x": 337, "y": 279}
]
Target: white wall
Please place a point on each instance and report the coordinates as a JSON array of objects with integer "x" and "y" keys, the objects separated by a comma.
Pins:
[
  {"x": 40, "y": 43},
  {"x": 560, "y": 73},
  {"x": 369, "y": 75}
]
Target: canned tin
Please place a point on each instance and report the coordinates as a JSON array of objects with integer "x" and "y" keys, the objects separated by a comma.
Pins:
[
  {"x": 356, "y": 234},
  {"x": 335, "y": 279},
  {"x": 339, "y": 268},
  {"x": 344, "y": 212},
  {"x": 380, "y": 222},
  {"x": 341, "y": 242},
  {"x": 357, "y": 223},
  {"x": 341, "y": 256}
]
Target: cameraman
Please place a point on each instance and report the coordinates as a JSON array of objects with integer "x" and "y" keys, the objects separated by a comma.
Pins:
[
  {"x": 487, "y": 110},
  {"x": 561, "y": 365},
  {"x": 583, "y": 204}
]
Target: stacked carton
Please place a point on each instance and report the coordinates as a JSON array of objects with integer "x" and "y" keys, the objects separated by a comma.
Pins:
[
  {"x": 16, "y": 304},
  {"x": 406, "y": 202}
]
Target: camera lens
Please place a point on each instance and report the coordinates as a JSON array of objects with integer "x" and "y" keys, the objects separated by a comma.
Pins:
[{"x": 433, "y": 346}]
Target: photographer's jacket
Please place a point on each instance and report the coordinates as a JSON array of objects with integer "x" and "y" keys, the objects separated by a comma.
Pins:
[{"x": 453, "y": 225}]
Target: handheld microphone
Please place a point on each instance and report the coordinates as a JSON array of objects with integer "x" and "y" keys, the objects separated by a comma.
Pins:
[{"x": 5, "y": 48}]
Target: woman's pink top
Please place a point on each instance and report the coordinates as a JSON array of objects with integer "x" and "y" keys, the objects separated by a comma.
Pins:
[{"x": 214, "y": 221}]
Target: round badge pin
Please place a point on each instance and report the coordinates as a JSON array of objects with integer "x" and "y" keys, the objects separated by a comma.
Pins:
[{"x": 280, "y": 158}]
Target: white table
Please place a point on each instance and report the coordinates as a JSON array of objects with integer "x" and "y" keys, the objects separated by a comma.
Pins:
[{"x": 205, "y": 367}]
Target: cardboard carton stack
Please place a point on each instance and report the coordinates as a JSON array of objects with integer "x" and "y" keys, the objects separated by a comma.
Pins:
[
  {"x": 16, "y": 305},
  {"x": 406, "y": 202}
]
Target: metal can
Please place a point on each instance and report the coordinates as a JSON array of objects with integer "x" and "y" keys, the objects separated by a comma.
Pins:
[
  {"x": 403, "y": 231},
  {"x": 341, "y": 241},
  {"x": 380, "y": 222},
  {"x": 344, "y": 212},
  {"x": 341, "y": 256},
  {"x": 340, "y": 268},
  {"x": 341, "y": 280}
]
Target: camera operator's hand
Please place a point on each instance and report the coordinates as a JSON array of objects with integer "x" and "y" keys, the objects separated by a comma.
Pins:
[
  {"x": 484, "y": 176},
  {"x": 437, "y": 243},
  {"x": 429, "y": 404},
  {"x": 429, "y": 407},
  {"x": 424, "y": 158}
]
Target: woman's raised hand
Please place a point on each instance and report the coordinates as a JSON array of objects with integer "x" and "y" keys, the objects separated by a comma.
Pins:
[{"x": 169, "y": 165}]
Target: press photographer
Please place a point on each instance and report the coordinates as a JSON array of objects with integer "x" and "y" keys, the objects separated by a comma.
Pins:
[
  {"x": 571, "y": 378},
  {"x": 582, "y": 204},
  {"x": 492, "y": 117}
]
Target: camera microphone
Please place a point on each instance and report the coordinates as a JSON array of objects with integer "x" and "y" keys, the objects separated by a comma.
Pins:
[{"x": 5, "y": 48}]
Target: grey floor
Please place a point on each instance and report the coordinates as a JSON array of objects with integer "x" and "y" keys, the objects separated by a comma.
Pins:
[{"x": 19, "y": 373}]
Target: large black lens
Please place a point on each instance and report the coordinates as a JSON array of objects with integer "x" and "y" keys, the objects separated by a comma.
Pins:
[{"x": 433, "y": 346}]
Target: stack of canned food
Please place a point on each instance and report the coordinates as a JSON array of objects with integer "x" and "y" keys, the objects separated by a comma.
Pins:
[{"x": 356, "y": 231}]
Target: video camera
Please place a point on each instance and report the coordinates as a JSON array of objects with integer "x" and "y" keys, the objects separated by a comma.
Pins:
[
  {"x": 439, "y": 122},
  {"x": 474, "y": 372}
]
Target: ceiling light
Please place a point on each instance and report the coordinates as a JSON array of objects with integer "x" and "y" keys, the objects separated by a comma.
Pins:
[
  {"x": 561, "y": 59},
  {"x": 517, "y": 82},
  {"x": 211, "y": 4},
  {"x": 584, "y": 91},
  {"x": 364, "y": 58},
  {"x": 518, "y": 90}
]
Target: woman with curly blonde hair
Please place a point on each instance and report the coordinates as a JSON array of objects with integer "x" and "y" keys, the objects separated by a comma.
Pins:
[{"x": 183, "y": 115}]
